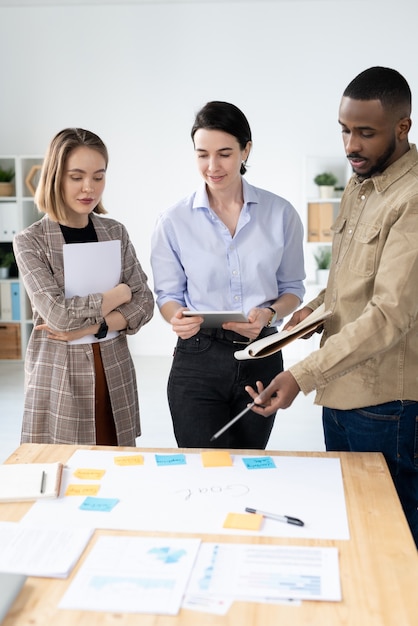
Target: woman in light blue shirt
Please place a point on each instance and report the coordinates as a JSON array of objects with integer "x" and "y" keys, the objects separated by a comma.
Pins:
[{"x": 227, "y": 246}]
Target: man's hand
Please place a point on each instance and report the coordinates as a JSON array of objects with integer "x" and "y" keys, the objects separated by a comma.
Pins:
[
  {"x": 299, "y": 316},
  {"x": 279, "y": 394}
]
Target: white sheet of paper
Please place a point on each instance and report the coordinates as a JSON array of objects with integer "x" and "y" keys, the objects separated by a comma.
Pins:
[
  {"x": 91, "y": 267},
  {"x": 133, "y": 575},
  {"x": 191, "y": 498},
  {"x": 36, "y": 551},
  {"x": 264, "y": 573},
  {"x": 206, "y": 602}
]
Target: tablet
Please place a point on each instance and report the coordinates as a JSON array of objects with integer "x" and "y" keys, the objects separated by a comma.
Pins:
[{"x": 215, "y": 319}]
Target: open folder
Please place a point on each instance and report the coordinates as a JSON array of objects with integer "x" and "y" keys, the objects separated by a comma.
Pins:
[
  {"x": 30, "y": 481},
  {"x": 273, "y": 343}
]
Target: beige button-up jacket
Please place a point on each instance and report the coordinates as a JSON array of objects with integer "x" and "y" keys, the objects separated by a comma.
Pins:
[{"x": 369, "y": 348}]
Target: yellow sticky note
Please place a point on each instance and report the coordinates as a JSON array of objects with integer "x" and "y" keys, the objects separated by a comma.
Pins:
[
  {"x": 216, "y": 458},
  {"x": 89, "y": 473},
  {"x": 135, "y": 459},
  {"x": 82, "y": 490},
  {"x": 243, "y": 521}
]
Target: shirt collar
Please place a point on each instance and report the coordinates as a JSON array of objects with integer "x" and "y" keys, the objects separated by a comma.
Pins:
[
  {"x": 201, "y": 200},
  {"x": 395, "y": 171}
]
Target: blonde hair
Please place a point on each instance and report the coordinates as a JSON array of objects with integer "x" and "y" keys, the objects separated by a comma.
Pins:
[{"x": 49, "y": 196}]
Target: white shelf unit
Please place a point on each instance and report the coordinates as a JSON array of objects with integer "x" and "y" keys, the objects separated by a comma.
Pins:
[
  {"x": 339, "y": 166},
  {"x": 16, "y": 213},
  {"x": 321, "y": 212}
]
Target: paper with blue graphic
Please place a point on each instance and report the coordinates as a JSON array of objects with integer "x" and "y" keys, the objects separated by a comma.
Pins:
[{"x": 133, "y": 575}]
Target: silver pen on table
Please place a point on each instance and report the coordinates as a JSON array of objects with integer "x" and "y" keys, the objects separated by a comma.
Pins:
[
  {"x": 287, "y": 519},
  {"x": 234, "y": 419}
]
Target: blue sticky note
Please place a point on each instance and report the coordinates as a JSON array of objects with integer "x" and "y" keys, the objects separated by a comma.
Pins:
[
  {"x": 103, "y": 505},
  {"x": 260, "y": 462},
  {"x": 170, "y": 459}
]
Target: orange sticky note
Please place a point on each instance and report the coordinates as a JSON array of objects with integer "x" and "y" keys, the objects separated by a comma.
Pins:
[
  {"x": 216, "y": 458},
  {"x": 82, "y": 490},
  {"x": 243, "y": 521},
  {"x": 135, "y": 459},
  {"x": 89, "y": 473}
]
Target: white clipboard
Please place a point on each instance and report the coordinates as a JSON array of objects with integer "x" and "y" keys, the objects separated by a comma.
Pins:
[{"x": 92, "y": 267}]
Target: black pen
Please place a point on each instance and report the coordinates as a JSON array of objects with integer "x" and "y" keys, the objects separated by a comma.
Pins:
[
  {"x": 279, "y": 518},
  {"x": 43, "y": 481}
]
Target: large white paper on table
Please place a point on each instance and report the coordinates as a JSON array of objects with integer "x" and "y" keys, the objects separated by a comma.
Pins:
[
  {"x": 37, "y": 551},
  {"x": 176, "y": 493},
  {"x": 261, "y": 573},
  {"x": 92, "y": 267},
  {"x": 133, "y": 575}
]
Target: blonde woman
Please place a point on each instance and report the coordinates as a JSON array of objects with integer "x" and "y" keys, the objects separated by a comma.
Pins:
[{"x": 79, "y": 393}]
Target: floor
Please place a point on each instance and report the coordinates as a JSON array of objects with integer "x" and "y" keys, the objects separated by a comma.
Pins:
[{"x": 297, "y": 428}]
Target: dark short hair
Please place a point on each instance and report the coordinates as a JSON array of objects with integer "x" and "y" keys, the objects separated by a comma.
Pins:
[
  {"x": 49, "y": 197},
  {"x": 384, "y": 84},
  {"x": 217, "y": 115}
]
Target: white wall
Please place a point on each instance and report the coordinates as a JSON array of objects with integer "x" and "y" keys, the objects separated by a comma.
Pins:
[{"x": 137, "y": 73}]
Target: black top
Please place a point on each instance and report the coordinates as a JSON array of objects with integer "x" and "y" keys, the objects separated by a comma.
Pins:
[{"x": 79, "y": 235}]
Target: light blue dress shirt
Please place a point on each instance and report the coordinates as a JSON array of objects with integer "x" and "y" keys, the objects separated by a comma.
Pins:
[{"x": 197, "y": 263}]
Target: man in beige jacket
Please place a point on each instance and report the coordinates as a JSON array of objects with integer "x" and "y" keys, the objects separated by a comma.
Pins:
[{"x": 366, "y": 370}]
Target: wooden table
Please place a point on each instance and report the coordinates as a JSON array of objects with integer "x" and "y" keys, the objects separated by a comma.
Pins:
[{"x": 378, "y": 565}]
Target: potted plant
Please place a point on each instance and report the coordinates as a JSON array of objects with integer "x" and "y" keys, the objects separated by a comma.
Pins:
[
  {"x": 326, "y": 183},
  {"x": 323, "y": 263},
  {"x": 6, "y": 261},
  {"x": 6, "y": 185}
]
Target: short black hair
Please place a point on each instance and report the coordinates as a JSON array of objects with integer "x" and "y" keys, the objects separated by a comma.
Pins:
[
  {"x": 384, "y": 84},
  {"x": 218, "y": 115}
]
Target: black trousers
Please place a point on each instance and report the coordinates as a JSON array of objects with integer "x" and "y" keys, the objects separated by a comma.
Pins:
[{"x": 206, "y": 388}]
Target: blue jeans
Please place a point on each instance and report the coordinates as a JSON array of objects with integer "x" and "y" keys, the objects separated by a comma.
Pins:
[
  {"x": 390, "y": 428},
  {"x": 206, "y": 390}
]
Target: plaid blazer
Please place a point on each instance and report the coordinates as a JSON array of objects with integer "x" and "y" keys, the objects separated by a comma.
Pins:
[{"x": 59, "y": 377}]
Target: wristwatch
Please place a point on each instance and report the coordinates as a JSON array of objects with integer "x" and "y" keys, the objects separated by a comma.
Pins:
[
  {"x": 273, "y": 317},
  {"x": 102, "y": 332}
]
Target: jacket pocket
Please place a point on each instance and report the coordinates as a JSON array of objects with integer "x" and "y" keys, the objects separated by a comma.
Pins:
[
  {"x": 337, "y": 233},
  {"x": 364, "y": 249}
]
